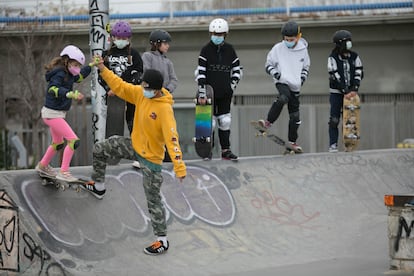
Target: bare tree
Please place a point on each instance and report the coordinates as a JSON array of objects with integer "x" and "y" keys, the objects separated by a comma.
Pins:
[{"x": 27, "y": 59}]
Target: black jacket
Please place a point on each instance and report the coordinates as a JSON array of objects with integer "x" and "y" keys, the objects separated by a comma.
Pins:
[
  {"x": 217, "y": 66},
  {"x": 117, "y": 61}
]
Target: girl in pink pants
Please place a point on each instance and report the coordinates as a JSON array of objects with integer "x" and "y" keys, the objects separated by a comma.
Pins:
[{"x": 61, "y": 73}]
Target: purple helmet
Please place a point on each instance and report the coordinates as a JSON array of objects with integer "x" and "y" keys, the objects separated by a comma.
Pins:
[
  {"x": 121, "y": 29},
  {"x": 73, "y": 52}
]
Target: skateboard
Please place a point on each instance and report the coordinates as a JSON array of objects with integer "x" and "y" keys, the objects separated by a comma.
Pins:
[
  {"x": 203, "y": 139},
  {"x": 61, "y": 184},
  {"x": 264, "y": 132},
  {"x": 351, "y": 122}
]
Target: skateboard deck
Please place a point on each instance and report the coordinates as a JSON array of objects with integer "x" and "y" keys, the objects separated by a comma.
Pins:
[
  {"x": 203, "y": 125},
  {"x": 61, "y": 184},
  {"x": 264, "y": 132},
  {"x": 115, "y": 121},
  {"x": 351, "y": 122}
]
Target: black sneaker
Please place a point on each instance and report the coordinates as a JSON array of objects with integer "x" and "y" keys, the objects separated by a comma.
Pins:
[
  {"x": 90, "y": 187},
  {"x": 209, "y": 157},
  {"x": 156, "y": 248},
  {"x": 228, "y": 155}
]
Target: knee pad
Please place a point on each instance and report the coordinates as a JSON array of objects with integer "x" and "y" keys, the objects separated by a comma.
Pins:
[
  {"x": 57, "y": 146},
  {"x": 295, "y": 118},
  {"x": 333, "y": 122},
  {"x": 73, "y": 144},
  {"x": 224, "y": 121},
  {"x": 283, "y": 99}
]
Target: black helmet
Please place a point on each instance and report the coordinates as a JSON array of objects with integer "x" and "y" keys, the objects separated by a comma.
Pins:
[
  {"x": 341, "y": 35},
  {"x": 158, "y": 36},
  {"x": 291, "y": 28},
  {"x": 153, "y": 78}
]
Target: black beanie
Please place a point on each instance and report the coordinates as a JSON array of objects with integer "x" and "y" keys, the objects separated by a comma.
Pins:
[{"x": 153, "y": 78}]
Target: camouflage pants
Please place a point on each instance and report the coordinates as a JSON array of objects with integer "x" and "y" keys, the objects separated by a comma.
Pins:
[{"x": 121, "y": 147}]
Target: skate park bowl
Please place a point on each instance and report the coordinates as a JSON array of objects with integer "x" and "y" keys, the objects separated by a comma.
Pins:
[{"x": 306, "y": 214}]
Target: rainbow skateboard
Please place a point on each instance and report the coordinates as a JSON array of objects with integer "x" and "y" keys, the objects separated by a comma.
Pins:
[{"x": 203, "y": 139}]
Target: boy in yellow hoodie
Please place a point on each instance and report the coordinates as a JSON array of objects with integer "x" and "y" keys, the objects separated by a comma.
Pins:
[{"x": 154, "y": 128}]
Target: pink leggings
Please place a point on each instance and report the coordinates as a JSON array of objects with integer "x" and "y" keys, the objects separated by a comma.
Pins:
[{"x": 60, "y": 129}]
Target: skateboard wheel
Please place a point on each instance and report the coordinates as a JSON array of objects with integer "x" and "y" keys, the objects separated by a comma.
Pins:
[
  {"x": 194, "y": 139},
  {"x": 208, "y": 139}
]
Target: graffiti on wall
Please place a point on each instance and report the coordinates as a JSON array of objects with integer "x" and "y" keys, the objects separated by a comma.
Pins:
[{"x": 21, "y": 253}]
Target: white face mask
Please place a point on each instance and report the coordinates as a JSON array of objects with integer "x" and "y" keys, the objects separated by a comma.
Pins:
[
  {"x": 348, "y": 45},
  {"x": 121, "y": 43}
]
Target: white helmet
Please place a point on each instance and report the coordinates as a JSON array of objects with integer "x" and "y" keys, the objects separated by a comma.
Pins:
[{"x": 218, "y": 25}]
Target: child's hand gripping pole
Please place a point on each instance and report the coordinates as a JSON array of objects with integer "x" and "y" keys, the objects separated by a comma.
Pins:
[{"x": 96, "y": 61}]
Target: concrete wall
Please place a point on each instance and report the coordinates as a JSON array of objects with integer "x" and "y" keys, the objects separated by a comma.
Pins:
[{"x": 385, "y": 44}]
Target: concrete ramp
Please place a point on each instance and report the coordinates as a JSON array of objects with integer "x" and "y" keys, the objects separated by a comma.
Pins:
[{"x": 312, "y": 214}]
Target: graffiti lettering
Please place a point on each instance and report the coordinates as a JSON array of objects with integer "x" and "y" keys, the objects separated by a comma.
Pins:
[
  {"x": 32, "y": 250},
  {"x": 99, "y": 39},
  {"x": 9, "y": 232},
  {"x": 403, "y": 225},
  {"x": 279, "y": 209}
]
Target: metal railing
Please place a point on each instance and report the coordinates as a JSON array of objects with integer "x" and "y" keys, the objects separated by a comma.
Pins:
[{"x": 258, "y": 12}]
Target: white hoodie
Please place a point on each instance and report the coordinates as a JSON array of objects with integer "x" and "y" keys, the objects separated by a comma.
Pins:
[{"x": 292, "y": 63}]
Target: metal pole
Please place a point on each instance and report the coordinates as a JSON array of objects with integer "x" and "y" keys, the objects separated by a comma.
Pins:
[
  {"x": 98, "y": 40},
  {"x": 287, "y": 8},
  {"x": 61, "y": 13},
  {"x": 171, "y": 9}
]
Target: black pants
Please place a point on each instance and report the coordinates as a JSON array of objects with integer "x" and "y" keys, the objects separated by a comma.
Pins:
[
  {"x": 336, "y": 100},
  {"x": 222, "y": 106},
  {"x": 291, "y": 98},
  {"x": 129, "y": 115}
]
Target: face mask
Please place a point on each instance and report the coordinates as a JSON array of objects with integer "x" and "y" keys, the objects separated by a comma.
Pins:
[
  {"x": 149, "y": 93},
  {"x": 74, "y": 70},
  {"x": 289, "y": 44},
  {"x": 348, "y": 45},
  {"x": 121, "y": 43},
  {"x": 217, "y": 40}
]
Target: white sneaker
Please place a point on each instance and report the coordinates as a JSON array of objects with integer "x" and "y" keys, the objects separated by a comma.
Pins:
[
  {"x": 66, "y": 176},
  {"x": 333, "y": 148},
  {"x": 45, "y": 170},
  {"x": 136, "y": 164}
]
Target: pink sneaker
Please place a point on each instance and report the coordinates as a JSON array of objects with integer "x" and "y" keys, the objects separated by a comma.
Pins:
[
  {"x": 264, "y": 123},
  {"x": 295, "y": 146}
]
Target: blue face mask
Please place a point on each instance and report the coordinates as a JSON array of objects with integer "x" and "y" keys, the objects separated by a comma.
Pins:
[
  {"x": 217, "y": 40},
  {"x": 289, "y": 44},
  {"x": 149, "y": 93}
]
